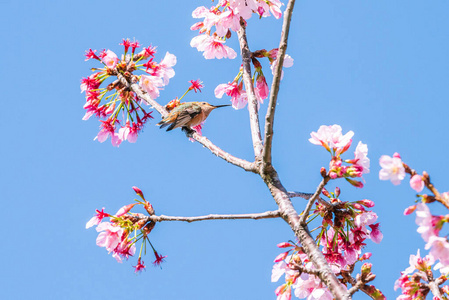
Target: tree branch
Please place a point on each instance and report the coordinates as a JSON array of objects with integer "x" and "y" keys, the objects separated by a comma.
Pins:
[
  {"x": 249, "y": 87},
  {"x": 244, "y": 164},
  {"x": 256, "y": 216},
  {"x": 306, "y": 211},
  {"x": 307, "y": 196},
  {"x": 269, "y": 119},
  {"x": 289, "y": 214}
]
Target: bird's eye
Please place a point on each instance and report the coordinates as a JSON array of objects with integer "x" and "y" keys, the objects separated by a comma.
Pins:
[{"x": 203, "y": 103}]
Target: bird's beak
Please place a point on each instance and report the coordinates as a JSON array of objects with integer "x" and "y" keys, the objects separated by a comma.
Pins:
[{"x": 217, "y": 106}]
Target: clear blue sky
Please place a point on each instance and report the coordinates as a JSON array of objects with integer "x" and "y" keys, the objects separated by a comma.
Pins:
[{"x": 379, "y": 68}]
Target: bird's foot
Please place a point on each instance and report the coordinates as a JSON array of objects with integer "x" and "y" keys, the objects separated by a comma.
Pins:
[{"x": 188, "y": 131}]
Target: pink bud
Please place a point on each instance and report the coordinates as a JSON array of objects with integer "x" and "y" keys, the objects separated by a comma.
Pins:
[
  {"x": 366, "y": 202},
  {"x": 355, "y": 183},
  {"x": 358, "y": 206},
  {"x": 280, "y": 257},
  {"x": 365, "y": 256},
  {"x": 409, "y": 210},
  {"x": 337, "y": 192},
  {"x": 284, "y": 245},
  {"x": 366, "y": 268},
  {"x": 396, "y": 155},
  {"x": 325, "y": 193},
  {"x": 417, "y": 183},
  {"x": 124, "y": 210},
  {"x": 138, "y": 191}
]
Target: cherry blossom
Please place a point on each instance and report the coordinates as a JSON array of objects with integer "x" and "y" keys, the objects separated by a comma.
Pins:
[
  {"x": 110, "y": 236},
  {"x": 213, "y": 47},
  {"x": 238, "y": 95},
  {"x": 95, "y": 220},
  {"x": 417, "y": 183},
  {"x": 261, "y": 89},
  {"x": 331, "y": 137},
  {"x": 361, "y": 157},
  {"x": 392, "y": 169},
  {"x": 151, "y": 85},
  {"x": 110, "y": 59}
]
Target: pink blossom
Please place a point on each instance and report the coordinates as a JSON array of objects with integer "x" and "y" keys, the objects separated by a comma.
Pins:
[
  {"x": 90, "y": 83},
  {"x": 238, "y": 95},
  {"x": 409, "y": 210},
  {"x": 159, "y": 259},
  {"x": 288, "y": 62},
  {"x": 425, "y": 221},
  {"x": 226, "y": 21},
  {"x": 261, "y": 90},
  {"x": 213, "y": 47},
  {"x": 95, "y": 220},
  {"x": 140, "y": 266},
  {"x": 361, "y": 157},
  {"x": 196, "y": 85},
  {"x": 110, "y": 59},
  {"x": 108, "y": 129},
  {"x": 151, "y": 85},
  {"x": 91, "y": 54},
  {"x": 110, "y": 236},
  {"x": 124, "y": 210},
  {"x": 278, "y": 270},
  {"x": 375, "y": 235},
  {"x": 365, "y": 219},
  {"x": 417, "y": 183},
  {"x": 439, "y": 248},
  {"x": 280, "y": 257},
  {"x": 124, "y": 250},
  {"x": 331, "y": 137},
  {"x": 392, "y": 169},
  {"x": 165, "y": 68}
]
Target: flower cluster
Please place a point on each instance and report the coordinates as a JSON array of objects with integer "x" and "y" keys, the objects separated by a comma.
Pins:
[
  {"x": 416, "y": 285},
  {"x": 234, "y": 89},
  {"x": 121, "y": 113},
  {"x": 117, "y": 235},
  {"x": 414, "y": 281},
  {"x": 332, "y": 139},
  {"x": 345, "y": 227},
  {"x": 225, "y": 16}
]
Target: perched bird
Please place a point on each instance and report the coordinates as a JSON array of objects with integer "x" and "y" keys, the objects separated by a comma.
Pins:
[{"x": 188, "y": 115}]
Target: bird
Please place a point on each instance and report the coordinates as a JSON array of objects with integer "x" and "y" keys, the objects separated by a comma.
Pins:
[{"x": 188, "y": 115}]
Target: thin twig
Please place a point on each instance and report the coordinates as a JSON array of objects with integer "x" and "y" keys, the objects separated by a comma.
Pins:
[
  {"x": 256, "y": 216},
  {"x": 269, "y": 119},
  {"x": 426, "y": 178},
  {"x": 307, "y": 196},
  {"x": 249, "y": 87},
  {"x": 306, "y": 211},
  {"x": 244, "y": 164}
]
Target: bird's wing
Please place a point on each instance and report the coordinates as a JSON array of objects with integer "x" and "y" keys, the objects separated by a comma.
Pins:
[{"x": 185, "y": 116}]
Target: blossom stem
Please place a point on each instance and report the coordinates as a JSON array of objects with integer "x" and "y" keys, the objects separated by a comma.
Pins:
[{"x": 184, "y": 94}]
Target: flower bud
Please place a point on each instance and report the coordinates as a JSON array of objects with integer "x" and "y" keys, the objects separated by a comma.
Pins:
[
  {"x": 284, "y": 245},
  {"x": 138, "y": 192},
  {"x": 366, "y": 269},
  {"x": 409, "y": 210}
]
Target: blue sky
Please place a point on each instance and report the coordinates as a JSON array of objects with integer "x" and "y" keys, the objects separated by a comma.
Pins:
[{"x": 379, "y": 68}]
